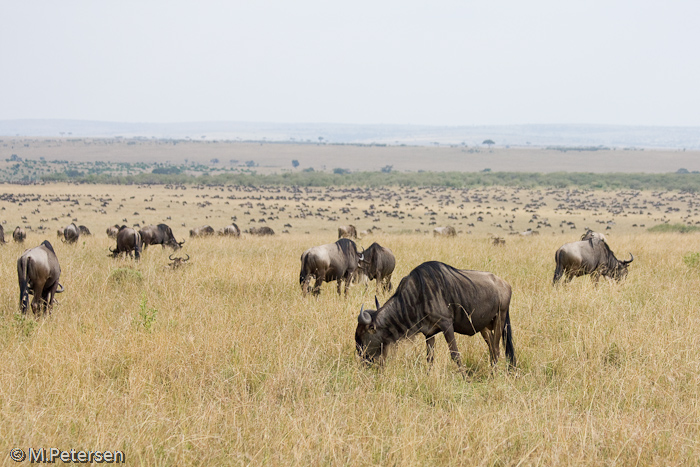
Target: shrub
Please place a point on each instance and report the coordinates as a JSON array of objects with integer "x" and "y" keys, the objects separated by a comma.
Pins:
[{"x": 680, "y": 228}]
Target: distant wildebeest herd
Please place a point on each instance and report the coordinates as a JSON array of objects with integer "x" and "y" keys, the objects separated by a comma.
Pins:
[{"x": 433, "y": 298}]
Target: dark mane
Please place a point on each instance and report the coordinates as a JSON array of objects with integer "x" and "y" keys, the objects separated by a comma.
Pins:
[
  {"x": 426, "y": 283},
  {"x": 47, "y": 244},
  {"x": 347, "y": 246}
]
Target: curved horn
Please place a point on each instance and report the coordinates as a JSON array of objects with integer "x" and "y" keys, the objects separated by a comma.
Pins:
[
  {"x": 630, "y": 260},
  {"x": 171, "y": 257},
  {"x": 186, "y": 259},
  {"x": 61, "y": 288},
  {"x": 110, "y": 249},
  {"x": 376, "y": 302},
  {"x": 180, "y": 243},
  {"x": 364, "y": 317}
]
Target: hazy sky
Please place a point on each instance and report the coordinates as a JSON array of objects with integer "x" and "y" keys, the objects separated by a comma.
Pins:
[{"x": 404, "y": 62}]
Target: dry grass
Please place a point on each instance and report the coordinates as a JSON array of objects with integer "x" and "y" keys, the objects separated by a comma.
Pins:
[{"x": 223, "y": 362}]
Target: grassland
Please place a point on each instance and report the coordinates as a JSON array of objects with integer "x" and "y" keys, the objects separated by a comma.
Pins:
[{"x": 223, "y": 362}]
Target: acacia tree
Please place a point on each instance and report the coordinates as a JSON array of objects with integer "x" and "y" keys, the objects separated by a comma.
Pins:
[{"x": 489, "y": 142}]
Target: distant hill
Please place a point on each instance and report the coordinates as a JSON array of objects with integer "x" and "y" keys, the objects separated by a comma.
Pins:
[{"x": 502, "y": 135}]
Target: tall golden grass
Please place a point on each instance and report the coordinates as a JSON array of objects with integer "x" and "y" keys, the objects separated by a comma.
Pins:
[{"x": 223, "y": 362}]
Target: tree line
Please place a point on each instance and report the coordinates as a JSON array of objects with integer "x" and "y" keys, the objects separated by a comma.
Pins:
[{"x": 606, "y": 181}]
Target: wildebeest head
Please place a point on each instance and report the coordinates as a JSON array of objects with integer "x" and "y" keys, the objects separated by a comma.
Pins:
[
  {"x": 177, "y": 262},
  {"x": 619, "y": 270},
  {"x": 368, "y": 341}
]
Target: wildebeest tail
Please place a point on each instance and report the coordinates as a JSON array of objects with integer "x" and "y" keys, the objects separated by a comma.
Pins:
[
  {"x": 137, "y": 245},
  {"x": 303, "y": 271},
  {"x": 508, "y": 339},
  {"x": 22, "y": 266},
  {"x": 559, "y": 270}
]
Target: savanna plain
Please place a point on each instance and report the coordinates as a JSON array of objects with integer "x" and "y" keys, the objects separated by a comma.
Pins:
[{"x": 224, "y": 362}]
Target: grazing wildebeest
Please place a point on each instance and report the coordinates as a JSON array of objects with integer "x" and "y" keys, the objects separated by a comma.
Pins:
[
  {"x": 591, "y": 256},
  {"x": 128, "y": 241},
  {"x": 71, "y": 233},
  {"x": 590, "y": 234},
  {"x": 378, "y": 263},
  {"x": 2, "y": 235},
  {"x": 498, "y": 241},
  {"x": 59, "y": 234},
  {"x": 203, "y": 231},
  {"x": 434, "y": 298},
  {"x": 347, "y": 231},
  {"x": 261, "y": 231},
  {"x": 160, "y": 234},
  {"x": 448, "y": 231},
  {"x": 113, "y": 230},
  {"x": 38, "y": 273},
  {"x": 177, "y": 262},
  {"x": 19, "y": 234},
  {"x": 230, "y": 231},
  {"x": 84, "y": 230},
  {"x": 331, "y": 262}
]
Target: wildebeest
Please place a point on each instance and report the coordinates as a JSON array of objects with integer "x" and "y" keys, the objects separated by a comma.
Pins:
[
  {"x": 71, "y": 233},
  {"x": 591, "y": 234},
  {"x": 498, "y": 241},
  {"x": 331, "y": 262},
  {"x": 591, "y": 256},
  {"x": 160, "y": 234},
  {"x": 261, "y": 231},
  {"x": 448, "y": 231},
  {"x": 2, "y": 235},
  {"x": 84, "y": 230},
  {"x": 203, "y": 231},
  {"x": 177, "y": 262},
  {"x": 19, "y": 234},
  {"x": 128, "y": 241},
  {"x": 347, "y": 231},
  {"x": 59, "y": 234},
  {"x": 378, "y": 263},
  {"x": 113, "y": 230},
  {"x": 434, "y": 298},
  {"x": 38, "y": 273},
  {"x": 230, "y": 231}
]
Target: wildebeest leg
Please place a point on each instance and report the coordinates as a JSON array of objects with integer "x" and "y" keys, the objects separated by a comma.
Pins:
[
  {"x": 449, "y": 333},
  {"x": 38, "y": 302},
  {"x": 51, "y": 297},
  {"x": 492, "y": 337},
  {"x": 306, "y": 285},
  {"x": 387, "y": 283},
  {"x": 430, "y": 348},
  {"x": 317, "y": 285}
]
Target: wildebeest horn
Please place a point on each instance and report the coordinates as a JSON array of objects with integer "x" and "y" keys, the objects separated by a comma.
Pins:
[
  {"x": 61, "y": 288},
  {"x": 364, "y": 317},
  {"x": 376, "y": 302},
  {"x": 180, "y": 243},
  {"x": 111, "y": 250},
  {"x": 188, "y": 257},
  {"x": 171, "y": 257},
  {"x": 630, "y": 260}
]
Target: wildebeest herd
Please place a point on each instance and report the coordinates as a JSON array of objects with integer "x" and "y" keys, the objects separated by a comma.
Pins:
[
  {"x": 436, "y": 297},
  {"x": 433, "y": 298}
]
